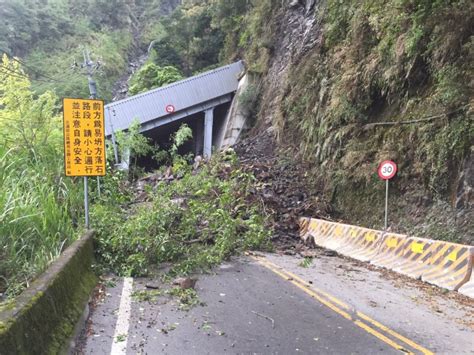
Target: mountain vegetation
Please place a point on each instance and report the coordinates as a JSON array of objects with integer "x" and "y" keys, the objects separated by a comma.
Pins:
[{"x": 341, "y": 84}]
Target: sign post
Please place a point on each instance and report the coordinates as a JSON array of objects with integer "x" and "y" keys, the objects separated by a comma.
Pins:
[
  {"x": 387, "y": 170},
  {"x": 84, "y": 142}
]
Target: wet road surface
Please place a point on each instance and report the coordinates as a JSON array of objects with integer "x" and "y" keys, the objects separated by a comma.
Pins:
[{"x": 272, "y": 305}]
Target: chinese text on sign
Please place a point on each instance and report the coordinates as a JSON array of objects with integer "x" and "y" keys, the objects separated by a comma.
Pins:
[{"x": 84, "y": 139}]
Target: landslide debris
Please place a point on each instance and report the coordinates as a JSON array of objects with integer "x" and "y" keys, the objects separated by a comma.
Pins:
[
  {"x": 283, "y": 185},
  {"x": 192, "y": 216}
]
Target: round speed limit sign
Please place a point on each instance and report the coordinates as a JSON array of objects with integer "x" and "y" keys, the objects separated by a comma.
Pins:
[{"x": 387, "y": 170}]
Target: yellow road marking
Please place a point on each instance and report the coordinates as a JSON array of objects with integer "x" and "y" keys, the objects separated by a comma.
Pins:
[
  {"x": 395, "y": 334},
  {"x": 327, "y": 295},
  {"x": 310, "y": 292},
  {"x": 360, "y": 314},
  {"x": 318, "y": 295},
  {"x": 381, "y": 337}
]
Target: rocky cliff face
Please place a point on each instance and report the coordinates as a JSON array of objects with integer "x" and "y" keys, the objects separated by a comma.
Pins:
[
  {"x": 298, "y": 33},
  {"x": 349, "y": 84}
]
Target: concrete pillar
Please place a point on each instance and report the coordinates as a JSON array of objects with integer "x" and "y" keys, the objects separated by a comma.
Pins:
[
  {"x": 198, "y": 136},
  {"x": 208, "y": 123}
]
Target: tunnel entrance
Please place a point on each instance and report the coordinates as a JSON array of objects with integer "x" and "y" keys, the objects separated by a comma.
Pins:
[{"x": 162, "y": 136}]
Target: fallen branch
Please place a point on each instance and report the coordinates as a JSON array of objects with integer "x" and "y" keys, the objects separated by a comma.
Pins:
[
  {"x": 424, "y": 119},
  {"x": 266, "y": 317},
  {"x": 194, "y": 241}
]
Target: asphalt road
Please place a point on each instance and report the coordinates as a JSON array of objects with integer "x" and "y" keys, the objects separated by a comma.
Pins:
[{"x": 271, "y": 305}]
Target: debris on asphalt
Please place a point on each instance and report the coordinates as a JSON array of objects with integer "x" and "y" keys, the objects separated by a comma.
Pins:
[
  {"x": 282, "y": 186},
  {"x": 266, "y": 317},
  {"x": 185, "y": 282}
]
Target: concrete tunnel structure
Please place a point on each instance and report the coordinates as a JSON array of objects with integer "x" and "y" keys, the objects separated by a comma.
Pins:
[{"x": 205, "y": 102}]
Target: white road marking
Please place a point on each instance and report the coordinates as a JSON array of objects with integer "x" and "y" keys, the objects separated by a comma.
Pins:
[{"x": 119, "y": 342}]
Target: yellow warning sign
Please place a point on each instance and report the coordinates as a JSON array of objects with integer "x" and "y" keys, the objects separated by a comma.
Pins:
[{"x": 84, "y": 138}]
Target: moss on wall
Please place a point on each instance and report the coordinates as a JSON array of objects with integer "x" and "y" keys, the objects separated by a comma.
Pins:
[{"x": 43, "y": 318}]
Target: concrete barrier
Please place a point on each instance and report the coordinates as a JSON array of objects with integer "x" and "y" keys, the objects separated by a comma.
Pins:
[
  {"x": 362, "y": 243},
  {"x": 450, "y": 265},
  {"x": 468, "y": 288},
  {"x": 392, "y": 246},
  {"x": 357, "y": 242},
  {"x": 43, "y": 317},
  {"x": 444, "y": 264},
  {"x": 305, "y": 235},
  {"x": 414, "y": 261}
]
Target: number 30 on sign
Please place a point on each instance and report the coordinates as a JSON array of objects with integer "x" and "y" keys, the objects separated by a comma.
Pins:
[{"x": 387, "y": 170}]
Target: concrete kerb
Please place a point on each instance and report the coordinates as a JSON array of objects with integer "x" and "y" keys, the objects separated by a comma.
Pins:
[
  {"x": 42, "y": 319},
  {"x": 444, "y": 264}
]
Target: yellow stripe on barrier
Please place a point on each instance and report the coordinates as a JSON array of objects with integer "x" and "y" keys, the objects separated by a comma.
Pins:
[
  {"x": 447, "y": 265},
  {"x": 392, "y": 242},
  {"x": 417, "y": 247},
  {"x": 452, "y": 267},
  {"x": 452, "y": 256}
]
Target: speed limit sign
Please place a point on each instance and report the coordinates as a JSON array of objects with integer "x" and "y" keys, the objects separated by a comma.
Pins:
[{"x": 387, "y": 170}]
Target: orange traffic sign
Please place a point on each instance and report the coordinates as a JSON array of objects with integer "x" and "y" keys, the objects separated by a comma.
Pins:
[{"x": 84, "y": 137}]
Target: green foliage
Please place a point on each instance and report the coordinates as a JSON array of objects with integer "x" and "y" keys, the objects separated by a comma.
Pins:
[
  {"x": 187, "y": 298},
  {"x": 151, "y": 76},
  {"x": 191, "y": 42},
  {"x": 195, "y": 222},
  {"x": 38, "y": 206},
  {"x": 132, "y": 141},
  {"x": 391, "y": 60},
  {"x": 306, "y": 263},
  {"x": 182, "y": 135},
  {"x": 250, "y": 100},
  {"x": 180, "y": 163},
  {"x": 18, "y": 102},
  {"x": 146, "y": 295},
  {"x": 50, "y": 36}
]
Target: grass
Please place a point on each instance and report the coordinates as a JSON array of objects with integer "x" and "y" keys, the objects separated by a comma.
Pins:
[{"x": 35, "y": 222}]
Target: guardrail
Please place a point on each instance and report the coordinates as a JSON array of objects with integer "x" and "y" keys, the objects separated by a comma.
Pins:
[{"x": 447, "y": 265}]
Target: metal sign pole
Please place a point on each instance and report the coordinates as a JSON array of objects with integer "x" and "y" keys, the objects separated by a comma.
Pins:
[
  {"x": 86, "y": 200},
  {"x": 98, "y": 186},
  {"x": 386, "y": 205}
]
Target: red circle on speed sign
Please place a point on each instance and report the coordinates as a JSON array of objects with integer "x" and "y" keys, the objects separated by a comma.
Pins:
[
  {"x": 387, "y": 170},
  {"x": 170, "y": 108}
]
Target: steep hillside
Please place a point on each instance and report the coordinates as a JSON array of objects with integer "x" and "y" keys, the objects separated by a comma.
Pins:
[
  {"x": 357, "y": 83},
  {"x": 347, "y": 84},
  {"x": 50, "y": 36}
]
